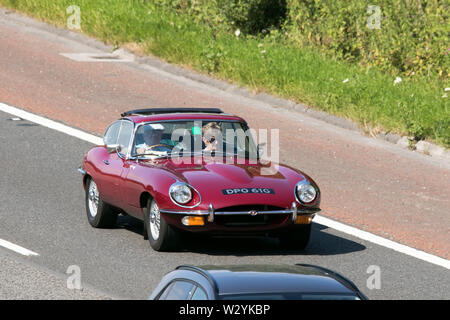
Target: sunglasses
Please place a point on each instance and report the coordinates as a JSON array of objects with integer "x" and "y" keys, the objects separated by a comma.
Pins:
[{"x": 211, "y": 140}]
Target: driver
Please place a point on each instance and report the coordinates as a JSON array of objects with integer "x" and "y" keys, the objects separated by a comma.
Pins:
[{"x": 152, "y": 136}]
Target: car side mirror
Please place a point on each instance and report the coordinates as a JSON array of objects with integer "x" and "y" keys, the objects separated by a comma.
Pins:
[
  {"x": 113, "y": 148},
  {"x": 261, "y": 149}
]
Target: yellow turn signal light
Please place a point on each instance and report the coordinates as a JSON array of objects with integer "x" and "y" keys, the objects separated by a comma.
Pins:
[
  {"x": 304, "y": 219},
  {"x": 193, "y": 221}
]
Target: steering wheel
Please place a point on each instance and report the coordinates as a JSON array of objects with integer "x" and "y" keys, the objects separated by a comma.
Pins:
[{"x": 160, "y": 145}]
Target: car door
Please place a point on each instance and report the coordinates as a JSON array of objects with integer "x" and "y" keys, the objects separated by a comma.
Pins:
[{"x": 112, "y": 164}]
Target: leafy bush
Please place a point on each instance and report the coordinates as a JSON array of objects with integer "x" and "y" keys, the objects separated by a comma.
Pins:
[
  {"x": 254, "y": 16},
  {"x": 412, "y": 38},
  {"x": 250, "y": 16}
]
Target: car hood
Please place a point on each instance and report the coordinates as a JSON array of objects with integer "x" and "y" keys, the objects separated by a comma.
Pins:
[{"x": 232, "y": 184}]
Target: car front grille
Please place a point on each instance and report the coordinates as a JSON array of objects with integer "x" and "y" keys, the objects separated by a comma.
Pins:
[{"x": 241, "y": 220}]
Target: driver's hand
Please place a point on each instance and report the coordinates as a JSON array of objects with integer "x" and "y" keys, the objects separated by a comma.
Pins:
[{"x": 140, "y": 150}]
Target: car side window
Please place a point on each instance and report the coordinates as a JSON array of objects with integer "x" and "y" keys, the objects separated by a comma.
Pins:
[
  {"x": 112, "y": 133},
  {"x": 126, "y": 131},
  {"x": 163, "y": 294},
  {"x": 179, "y": 290},
  {"x": 199, "y": 294}
]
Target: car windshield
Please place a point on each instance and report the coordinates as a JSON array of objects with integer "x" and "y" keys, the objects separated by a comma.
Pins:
[
  {"x": 194, "y": 137},
  {"x": 290, "y": 296}
]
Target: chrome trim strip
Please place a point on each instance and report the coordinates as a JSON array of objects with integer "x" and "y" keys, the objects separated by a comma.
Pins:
[
  {"x": 230, "y": 213},
  {"x": 211, "y": 212},
  {"x": 81, "y": 170},
  {"x": 294, "y": 212},
  {"x": 127, "y": 156},
  {"x": 191, "y": 213},
  {"x": 133, "y": 139}
]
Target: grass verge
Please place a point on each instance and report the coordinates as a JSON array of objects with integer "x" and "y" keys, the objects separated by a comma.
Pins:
[{"x": 417, "y": 106}]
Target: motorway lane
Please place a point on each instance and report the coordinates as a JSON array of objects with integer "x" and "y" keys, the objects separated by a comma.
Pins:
[
  {"x": 21, "y": 279},
  {"x": 42, "y": 209},
  {"x": 370, "y": 184}
]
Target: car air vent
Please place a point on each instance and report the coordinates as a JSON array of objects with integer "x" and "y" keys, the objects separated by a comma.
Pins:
[{"x": 250, "y": 207}]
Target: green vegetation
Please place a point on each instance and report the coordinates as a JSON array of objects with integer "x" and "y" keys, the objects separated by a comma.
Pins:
[{"x": 316, "y": 52}]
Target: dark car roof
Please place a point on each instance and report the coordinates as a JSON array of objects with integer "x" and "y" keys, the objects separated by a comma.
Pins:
[{"x": 241, "y": 279}]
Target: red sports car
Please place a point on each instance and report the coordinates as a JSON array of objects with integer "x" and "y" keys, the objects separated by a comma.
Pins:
[{"x": 196, "y": 170}]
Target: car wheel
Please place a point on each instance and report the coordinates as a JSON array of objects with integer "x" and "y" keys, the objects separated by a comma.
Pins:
[
  {"x": 161, "y": 235},
  {"x": 99, "y": 213},
  {"x": 298, "y": 239}
]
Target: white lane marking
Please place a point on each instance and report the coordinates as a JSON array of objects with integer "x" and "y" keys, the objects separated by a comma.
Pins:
[
  {"x": 364, "y": 235},
  {"x": 16, "y": 248},
  {"x": 50, "y": 124},
  {"x": 97, "y": 57}
]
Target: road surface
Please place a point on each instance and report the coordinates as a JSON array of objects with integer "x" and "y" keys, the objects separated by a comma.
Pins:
[{"x": 366, "y": 183}]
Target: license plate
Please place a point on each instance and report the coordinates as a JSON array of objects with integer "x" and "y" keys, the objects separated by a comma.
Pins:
[{"x": 247, "y": 191}]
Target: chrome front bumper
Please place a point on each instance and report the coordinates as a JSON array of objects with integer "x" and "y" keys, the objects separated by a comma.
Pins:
[{"x": 211, "y": 213}]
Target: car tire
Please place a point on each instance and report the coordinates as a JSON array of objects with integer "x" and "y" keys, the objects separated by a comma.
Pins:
[
  {"x": 298, "y": 239},
  {"x": 99, "y": 213},
  {"x": 161, "y": 235}
]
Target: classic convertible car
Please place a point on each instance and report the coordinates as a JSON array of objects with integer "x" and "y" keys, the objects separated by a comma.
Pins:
[{"x": 196, "y": 170}]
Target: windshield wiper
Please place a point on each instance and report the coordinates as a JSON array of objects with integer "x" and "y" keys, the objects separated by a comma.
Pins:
[
  {"x": 185, "y": 154},
  {"x": 245, "y": 155},
  {"x": 206, "y": 152},
  {"x": 214, "y": 153},
  {"x": 211, "y": 153},
  {"x": 159, "y": 154}
]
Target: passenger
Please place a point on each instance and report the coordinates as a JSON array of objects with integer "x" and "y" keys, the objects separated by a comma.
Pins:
[{"x": 212, "y": 136}]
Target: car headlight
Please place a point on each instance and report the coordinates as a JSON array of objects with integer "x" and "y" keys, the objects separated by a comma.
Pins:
[
  {"x": 306, "y": 193},
  {"x": 180, "y": 193}
]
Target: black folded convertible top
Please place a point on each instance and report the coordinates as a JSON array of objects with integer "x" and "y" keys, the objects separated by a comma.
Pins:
[{"x": 152, "y": 111}]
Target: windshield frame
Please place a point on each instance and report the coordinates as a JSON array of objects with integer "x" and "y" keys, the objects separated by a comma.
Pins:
[{"x": 138, "y": 125}]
